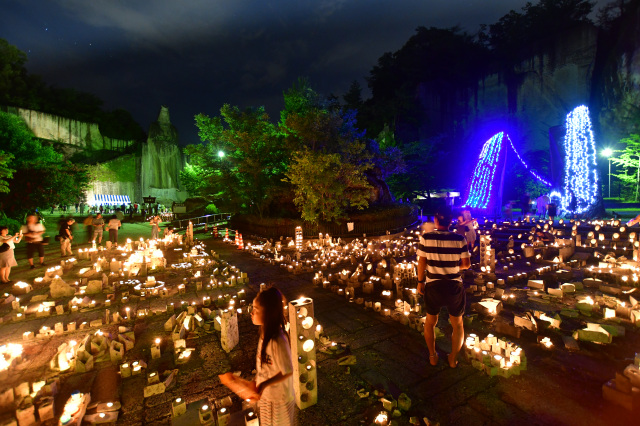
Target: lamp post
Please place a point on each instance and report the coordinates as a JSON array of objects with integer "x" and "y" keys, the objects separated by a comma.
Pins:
[{"x": 608, "y": 152}]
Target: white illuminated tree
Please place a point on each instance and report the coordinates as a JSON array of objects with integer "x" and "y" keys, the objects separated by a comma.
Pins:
[{"x": 580, "y": 174}]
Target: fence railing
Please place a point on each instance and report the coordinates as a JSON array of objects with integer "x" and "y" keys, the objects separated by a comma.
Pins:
[
  {"x": 370, "y": 228},
  {"x": 212, "y": 219}
]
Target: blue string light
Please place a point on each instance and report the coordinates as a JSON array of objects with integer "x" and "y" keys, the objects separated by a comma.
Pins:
[
  {"x": 534, "y": 174},
  {"x": 580, "y": 176},
  {"x": 484, "y": 173}
]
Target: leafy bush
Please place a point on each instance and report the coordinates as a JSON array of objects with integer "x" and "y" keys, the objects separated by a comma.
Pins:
[
  {"x": 211, "y": 209},
  {"x": 12, "y": 224}
]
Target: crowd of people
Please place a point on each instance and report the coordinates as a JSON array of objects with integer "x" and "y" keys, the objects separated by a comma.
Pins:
[
  {"x": 34, "y": 234},
  {"x": 542, "y": 207}
]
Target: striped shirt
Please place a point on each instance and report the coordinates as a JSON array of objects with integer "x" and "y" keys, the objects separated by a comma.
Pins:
[{"x": 443, "y": 251}]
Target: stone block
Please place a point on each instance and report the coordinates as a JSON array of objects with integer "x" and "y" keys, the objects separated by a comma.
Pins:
[
  {"x": 229, "y": 333},
  {"x": 59, "y": 289},
  {"x": 537, "y": 284},
  {"x": 154, "y": 389},
  {"x": 26, "y": 416},
  {"x": 46, "y": 409},
  {"x": 94, "y": 287}
]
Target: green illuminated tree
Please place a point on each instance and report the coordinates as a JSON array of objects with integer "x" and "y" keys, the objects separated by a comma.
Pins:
[
  {"x": 629, "y": 160},
  {"x": 329, "y": 159},
  {"x": 325, "y": 186},
  {"x": 247, "y": 177}
]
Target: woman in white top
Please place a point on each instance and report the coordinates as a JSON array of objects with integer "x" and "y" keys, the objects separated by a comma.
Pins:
[
  {"x": 7, "y": 257},
  {"x": 274, "y": 380}
]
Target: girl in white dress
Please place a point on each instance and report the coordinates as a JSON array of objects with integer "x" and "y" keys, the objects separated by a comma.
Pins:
[
  {"x": 274, "y": 381},
  {"x": 7, "y": 257}
]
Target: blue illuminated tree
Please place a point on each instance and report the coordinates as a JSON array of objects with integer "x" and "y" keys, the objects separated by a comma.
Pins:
[{"x": 484, "y": 173}]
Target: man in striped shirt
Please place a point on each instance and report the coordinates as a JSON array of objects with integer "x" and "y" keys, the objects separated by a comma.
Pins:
[{"x": 441, "y": 256}]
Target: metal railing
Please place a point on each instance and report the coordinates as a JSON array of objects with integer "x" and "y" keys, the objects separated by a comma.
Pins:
[{"x": 212, "y": 219}]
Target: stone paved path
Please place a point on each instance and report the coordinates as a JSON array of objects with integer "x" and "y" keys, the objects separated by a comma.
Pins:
[{"x": 558, "y": 388}]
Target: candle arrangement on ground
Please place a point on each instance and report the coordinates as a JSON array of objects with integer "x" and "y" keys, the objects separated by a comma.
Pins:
[
  {"x": 91, "y": 305},
  {"x": 577, "y": 280}
]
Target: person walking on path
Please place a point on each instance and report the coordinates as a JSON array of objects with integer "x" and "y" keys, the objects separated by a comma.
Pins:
[
  {"x": 114, "y": 225},
  {"x": 274, "y": 377},
  {"x": 88, "y": 227},
  {"x": 65, "y": 235},
  {"x": 441, "y": 256},
  {"x": 34, "y": 234},
  {"x": 98, "y": 228},
  {"x": 7, "y": 254},
  {"x": 155, "y": 223}
]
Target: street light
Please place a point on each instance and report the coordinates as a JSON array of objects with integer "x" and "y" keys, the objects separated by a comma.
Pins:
[
  {"x": 221, "y": 154},
  {"x": 608, "y": 152}
]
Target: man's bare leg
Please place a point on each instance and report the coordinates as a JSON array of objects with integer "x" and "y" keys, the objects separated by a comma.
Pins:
[
  {"x": 430, "y": 337},
  {"x": 457, "y": 337}
]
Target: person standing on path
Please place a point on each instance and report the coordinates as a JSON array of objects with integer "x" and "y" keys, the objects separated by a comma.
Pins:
[
  {"x": 88, "y": 227},
  {"x": 525, "y": 203},
  {"x": 114, "y": 225},
  {"x": 441, "y": 256},
  {"x": 274, "y": 377},
  {"x": 33, "y": 232},
  {"x": 7, "y": 257},
  {"x": 155, "y": 222},
  {"x": 98, "y": 228},
  {"x": 66, "y": 236}
]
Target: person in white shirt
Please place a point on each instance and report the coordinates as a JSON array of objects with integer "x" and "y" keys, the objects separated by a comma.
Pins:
[
  {"x": 155, "y": 222},
  {"x": 274, "y": 380},
  {"x": 113, "y": 226},
  {"x": 33, "y": 232}
]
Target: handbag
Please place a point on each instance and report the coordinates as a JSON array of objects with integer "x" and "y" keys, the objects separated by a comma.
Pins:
[{"x": 4, "y": 247}]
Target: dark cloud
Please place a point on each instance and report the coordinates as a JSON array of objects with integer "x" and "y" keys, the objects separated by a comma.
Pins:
[{"x": 196, "y": 55}]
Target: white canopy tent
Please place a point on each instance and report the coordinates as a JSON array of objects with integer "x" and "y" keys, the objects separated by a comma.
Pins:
[{"x": 109, "y": 200}]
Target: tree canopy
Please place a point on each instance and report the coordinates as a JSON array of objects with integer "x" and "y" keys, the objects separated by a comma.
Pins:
[
  {"x": 314, "y": 159},
  {"x": 39, "y": 176}
]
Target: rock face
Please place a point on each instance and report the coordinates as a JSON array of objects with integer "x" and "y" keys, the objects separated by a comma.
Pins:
[
  {"x": 68, "y": 131},
  {"x": 525, "y": 101},
  {"x": 152, "y": 171},
  {"x": 617, "y": 89},
  {"x": 530, "y": 101},
  {"x": 540, "y": 92},
  {"x": 162, "y": 161}
]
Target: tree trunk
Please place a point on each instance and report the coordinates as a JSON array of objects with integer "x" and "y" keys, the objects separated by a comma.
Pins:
[{"x": 637, "y": 179}]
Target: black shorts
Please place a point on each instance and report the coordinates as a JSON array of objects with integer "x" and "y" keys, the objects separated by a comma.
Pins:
[
  {"x": 33, "y": 248},
  {"x": 445, "y": 293}
]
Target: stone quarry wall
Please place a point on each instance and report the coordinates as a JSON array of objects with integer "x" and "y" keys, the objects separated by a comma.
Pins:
[
  {"x": 155, "y": 171},
  {"x": 537, "y": 94},
  {"x": 65, "y": 130},
  {"x": 162, "y": 161},
  {"x": 618, "y": 85}
]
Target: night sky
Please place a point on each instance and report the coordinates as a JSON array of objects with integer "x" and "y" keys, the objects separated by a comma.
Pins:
[{"x": 195, "y": 55}]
